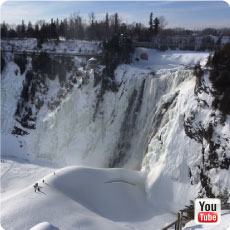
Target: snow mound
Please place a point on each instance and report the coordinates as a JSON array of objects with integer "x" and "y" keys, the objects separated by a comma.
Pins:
[
  {"x": 84, "y": 197},
  {"x": 120, "y": 189},
  {"x": 44, "y": 226}
]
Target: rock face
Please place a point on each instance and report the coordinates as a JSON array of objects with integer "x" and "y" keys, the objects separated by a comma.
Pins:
[
  {"x": 162, "y": 123},
  {"x": 213, "y": 134}
]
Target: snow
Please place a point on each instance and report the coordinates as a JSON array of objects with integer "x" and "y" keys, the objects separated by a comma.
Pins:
[
  {"x": 44, "y": 226},
  {"x": 16, "y": 174},
  {"x": 225, "y": 39},
  {"x": 11, "y": 87},
  {"x": 220, "y": 178},
  {"x": 70, "y": 46},
  {"x": 169, "y": 59},
  {"x": 77, "y": 197},
  {"x": 168, "y": 159},
  {"x": 19, "y": 44},
  {"x": 92, "y": 59}
]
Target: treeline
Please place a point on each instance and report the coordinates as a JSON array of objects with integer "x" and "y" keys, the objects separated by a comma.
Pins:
[{"x": 76, "y": 28}]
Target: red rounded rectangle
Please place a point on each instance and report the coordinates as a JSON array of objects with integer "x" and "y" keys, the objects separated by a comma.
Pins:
[{"x": 207, "y": 217}]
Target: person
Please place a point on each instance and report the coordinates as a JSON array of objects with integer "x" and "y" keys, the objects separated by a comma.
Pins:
[
  {"x": 38, "y": 189},
  {"x": 43, "y": 181},
  {"x": 35, "y": 188}
]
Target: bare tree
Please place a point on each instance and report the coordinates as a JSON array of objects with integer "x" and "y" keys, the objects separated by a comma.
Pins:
[
  {"x": 40, "y": 23},
  {"x": 163, "y": 22},
  {"x": 91, "y": 18}
]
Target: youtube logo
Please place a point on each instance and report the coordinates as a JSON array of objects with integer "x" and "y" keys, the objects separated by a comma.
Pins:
[
  {"x": 207, "y": 211},
  {"x": 207, "y": 217}
]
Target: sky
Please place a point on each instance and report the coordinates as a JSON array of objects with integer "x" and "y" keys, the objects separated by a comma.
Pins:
[{"x": 191, "y": 15}]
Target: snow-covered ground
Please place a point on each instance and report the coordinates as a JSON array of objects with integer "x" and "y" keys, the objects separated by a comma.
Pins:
[
  {"x": 70, "y": 46},
  {"x": 168, "y": 59},
  {"x": 81, "y": 198},
  {"x": 76, "y": 198},
  {"x": 17, "y": 174}
]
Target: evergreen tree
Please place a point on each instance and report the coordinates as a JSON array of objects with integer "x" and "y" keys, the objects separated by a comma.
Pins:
[
  {"x": 12, "y": 33},
  {"x": 23, "y": 29},
  {"x": 4, "y": 30},
  {"x": 116, "y": 23},
  {"x": 66, "y": 27},
  {"x": 62, "y": 29},
  {"x": 43, "y": 35},
  {"x": 53, "y": 30},
  {"x": 77, "y": 27},
  {"x": 151, "y": 24},
  {"x": 36, "y": 31},
  {"x": 57, "y": 27},
  {"x": 123, "y": 28},
  {"x": 80, "y": 28},
  {"x": 91, "y": 29},
  {"x": 107, "y": 26},
  {"x": 70, "y": 33},
  {"x": 30, "y": 30},
  {"x": 156, "y": 26},
  {"x": 220, "y": 78}
]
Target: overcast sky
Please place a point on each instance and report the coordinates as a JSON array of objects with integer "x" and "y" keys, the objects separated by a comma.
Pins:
[{"x": 193, "y": 15}]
